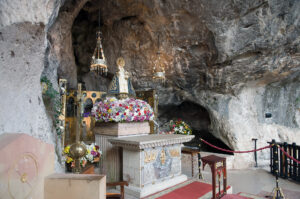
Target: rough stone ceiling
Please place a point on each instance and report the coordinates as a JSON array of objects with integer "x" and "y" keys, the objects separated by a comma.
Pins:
[{"x": 210, "y": 45}]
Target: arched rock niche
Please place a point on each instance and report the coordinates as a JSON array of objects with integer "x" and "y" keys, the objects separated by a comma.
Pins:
[
  {"x": 197, "y": 117},
  {"x": 228, "y": 60}
]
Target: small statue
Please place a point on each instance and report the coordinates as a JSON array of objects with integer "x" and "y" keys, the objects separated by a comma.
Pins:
[{"x": 121, "y": 86}]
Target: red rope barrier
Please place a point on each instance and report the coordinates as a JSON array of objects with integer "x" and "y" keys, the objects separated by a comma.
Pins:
[
  {"x": 234, "y": 151},
  {"x": 288, "y": 154},
  {"x": 251, "y": 150}
]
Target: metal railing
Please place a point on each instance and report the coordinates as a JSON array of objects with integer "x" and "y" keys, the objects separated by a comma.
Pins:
[{"x": 287, "y": 168}]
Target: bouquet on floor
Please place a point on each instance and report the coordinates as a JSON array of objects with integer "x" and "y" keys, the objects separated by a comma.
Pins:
[
  {"x": 92, "y": 155},
  {"x": 124, "y": 110},
  {"x": 180, "y": 127}
]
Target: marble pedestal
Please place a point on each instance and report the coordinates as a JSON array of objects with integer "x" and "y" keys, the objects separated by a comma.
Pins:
[
  {"x": 111, "y": 159},
  {"x": 151, "y": 163},
  {"x": 75, "y": 186}
]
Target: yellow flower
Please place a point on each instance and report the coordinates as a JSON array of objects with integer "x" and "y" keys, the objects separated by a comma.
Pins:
[
  {"x": 88, "y": 151},
  {"x": 69, "y": 159},
  {"x": 109, "y": 110},
  {"x": 67, "y": 149}
]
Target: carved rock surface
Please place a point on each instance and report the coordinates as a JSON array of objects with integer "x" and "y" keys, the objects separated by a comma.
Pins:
[{"x": 237, "y": 59}]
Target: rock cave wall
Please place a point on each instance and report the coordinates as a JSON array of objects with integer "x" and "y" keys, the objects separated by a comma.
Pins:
[
  {"x": 23, "y": 45},
  {"x": 237, "y": 59}
]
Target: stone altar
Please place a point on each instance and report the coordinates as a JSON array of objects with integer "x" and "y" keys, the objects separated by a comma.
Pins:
[
  {"x": 111, "y": 159},
  {"x": 151, "y": 163}
]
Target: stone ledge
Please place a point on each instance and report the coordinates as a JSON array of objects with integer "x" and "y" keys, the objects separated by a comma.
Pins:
[{"x": 148, "y": 141}]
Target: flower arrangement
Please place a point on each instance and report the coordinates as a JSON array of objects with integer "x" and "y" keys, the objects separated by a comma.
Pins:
[
  {"x": 180, "y": 127},
  {"x": 124, "y": 110},
  {"x": 92, "y": 155}
]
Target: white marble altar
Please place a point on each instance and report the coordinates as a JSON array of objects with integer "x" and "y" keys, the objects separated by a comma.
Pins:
[{"x": 151, "y": 163}]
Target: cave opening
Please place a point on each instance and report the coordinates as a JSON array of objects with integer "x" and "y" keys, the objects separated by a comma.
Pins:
[{"x": 198, "y": 118}]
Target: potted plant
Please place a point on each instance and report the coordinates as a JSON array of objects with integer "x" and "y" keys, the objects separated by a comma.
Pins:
[{"x": 180, "y": 127}]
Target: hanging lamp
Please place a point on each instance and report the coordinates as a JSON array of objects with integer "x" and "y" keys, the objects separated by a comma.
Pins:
[
  {"x": 158, "y": 68},
  {"x": 98, "y": 62}
]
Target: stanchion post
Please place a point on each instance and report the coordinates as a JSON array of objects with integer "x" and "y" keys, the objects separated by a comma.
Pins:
[
  {"x": 277, "y": 190},
  {"x": 255, "y": 154},
  {"x": 272, "y": 149},
  {"x": 285, "y": 161}
]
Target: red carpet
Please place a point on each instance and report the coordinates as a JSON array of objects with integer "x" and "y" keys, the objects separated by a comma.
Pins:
[{"x": 193, "y": 190}]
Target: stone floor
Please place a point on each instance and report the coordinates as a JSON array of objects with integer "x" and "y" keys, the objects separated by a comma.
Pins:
[{"x": 253, "y": 181}]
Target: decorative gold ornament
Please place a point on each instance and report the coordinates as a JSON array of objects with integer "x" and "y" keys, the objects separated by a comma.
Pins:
[
  {"x": 77, "y": 150},
  {"x": 159, "y": 70},
  {"x": 174, "y": 153},
  {"x": 23, "y": 178},
  {"x": 162, "y": 157},
  {"x": 151, "y": 156},
  {"x": 98, "y": 63}
]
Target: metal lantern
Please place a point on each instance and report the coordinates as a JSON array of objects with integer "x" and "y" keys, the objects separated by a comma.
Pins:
[
  {"x": 159, "y": 70},
  {"x": 98, "y": 63}
]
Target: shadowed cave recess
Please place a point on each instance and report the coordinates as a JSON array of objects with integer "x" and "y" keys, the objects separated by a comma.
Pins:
[
  {"x": 197, "y": 118},
  {"x": 234, "y": 65},
  {"x": 83, "y": 41}
]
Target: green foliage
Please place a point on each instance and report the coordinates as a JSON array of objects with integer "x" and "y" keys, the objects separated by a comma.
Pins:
[{"x": 52, "y": 102}]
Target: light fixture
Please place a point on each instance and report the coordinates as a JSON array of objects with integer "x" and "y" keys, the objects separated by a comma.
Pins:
[
  {"x": 158, "y": 67},
  {"x": 98, "y": 63}
]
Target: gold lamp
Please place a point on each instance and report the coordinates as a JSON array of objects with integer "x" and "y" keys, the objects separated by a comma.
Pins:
[
  {"x": 158, "y": 67},
  {"x": 98, "y": 62},
  {"x": 159, "y": 70}
]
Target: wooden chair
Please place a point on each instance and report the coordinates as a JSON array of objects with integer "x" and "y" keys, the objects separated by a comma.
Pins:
[
  {"x": 90, "y": 170},
  {"x": 116, "y": 195}
]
